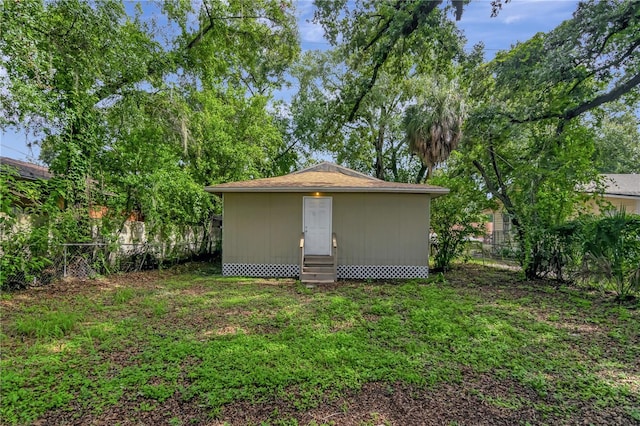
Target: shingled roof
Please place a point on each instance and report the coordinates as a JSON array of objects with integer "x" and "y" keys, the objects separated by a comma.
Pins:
[
  {"x": 622, "y": 184},
  {"x": 325, "y": 177},
  {"x": 27, "y": 170}
]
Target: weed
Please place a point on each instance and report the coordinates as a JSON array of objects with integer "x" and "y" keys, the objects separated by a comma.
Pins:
[
  {"x": 215, "y": 342},
  {"x": 123, "y": 295},
  {"x": 634, "y": 413},
  {"x": 146, "y": 406},
  {"x": 48, "y": 324},
  {"x": 156, "y": 306}
]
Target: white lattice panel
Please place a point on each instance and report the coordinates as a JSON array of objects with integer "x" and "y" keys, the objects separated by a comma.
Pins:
[
  {"x": 379, "y": 272},
  {"x": 260, "y": 270},
  {"x": 358, "y": 272}
]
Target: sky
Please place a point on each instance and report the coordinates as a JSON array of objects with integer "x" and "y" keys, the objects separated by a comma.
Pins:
[{"x": 518, "y": 20}]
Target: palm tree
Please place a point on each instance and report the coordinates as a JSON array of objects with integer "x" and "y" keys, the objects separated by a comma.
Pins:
[{"x": 433, "y": 127}]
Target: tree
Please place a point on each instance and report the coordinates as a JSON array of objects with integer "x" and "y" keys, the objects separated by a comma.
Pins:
[
  {"x": 458, "y": 216},
  {"x": 372, "y": 142},
  {"x": 65, "y": 61},
  {"x": 376, "y": 37},
  {"x": 617, "y": 139},
  {"x": 527, "y": 136},
  {"x": 125, "y": 106},
  {"x": 587, "y": 61},
  {"x": 434, "y": 126}
]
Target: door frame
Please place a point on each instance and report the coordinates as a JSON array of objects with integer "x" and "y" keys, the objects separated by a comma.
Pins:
[{"x": 304, "y": 199}]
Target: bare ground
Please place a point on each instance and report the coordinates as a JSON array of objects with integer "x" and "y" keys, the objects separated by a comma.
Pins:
[{"x": 477, "y": 399}]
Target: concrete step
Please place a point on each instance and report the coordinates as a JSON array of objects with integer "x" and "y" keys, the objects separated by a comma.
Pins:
[
  {"x": 317, "y": 277},
  {"x": 318, "y": 268},
  {"x": 318, "y": 260},
  {"x": 313, "y": 284}
]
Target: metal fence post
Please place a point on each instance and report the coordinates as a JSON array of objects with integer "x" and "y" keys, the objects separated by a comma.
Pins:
[{"x": 64, "y": 264}]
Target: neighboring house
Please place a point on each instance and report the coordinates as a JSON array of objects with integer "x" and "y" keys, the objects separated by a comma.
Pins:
[
  {"x": 22, "y": 205},
  {"x": 621, "y": 191},
  {"x": 323, "y": 223},
  {"x": 26, "y": 172},
  {"x": 500, "y": 232}
]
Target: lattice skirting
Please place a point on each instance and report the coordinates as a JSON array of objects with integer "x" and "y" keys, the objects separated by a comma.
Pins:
[
  {"x": 260, "y": 270},
  {"x": 359, "y": 272},
  {"x": 376, "y": 272}
]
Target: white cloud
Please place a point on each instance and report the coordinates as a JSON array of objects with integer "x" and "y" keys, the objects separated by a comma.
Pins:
[
  {"x": 512, "y": 19},
  {"x": 310, "y": 32}
]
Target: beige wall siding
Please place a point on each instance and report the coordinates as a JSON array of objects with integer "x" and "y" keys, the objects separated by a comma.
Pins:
[
  {"x": 498, "y": 221},
  {"x": 372, "y": 229},
  {"x": 381, "y": 229},
  {"x": 261, "y": 228},
  {"x": 631, "y": 205}
]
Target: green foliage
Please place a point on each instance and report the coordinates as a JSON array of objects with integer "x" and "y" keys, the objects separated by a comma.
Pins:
[
  {"x": 138, "y": 111},
  {"x": 47, "y": 324},
  {"x": 31, "y": 224},
  {"x": 221, "y": 342},
  {"x": 617, "y": 139},
  {"x": 602, "y": 67},
  {"x": 433, "y": 127},
  {"x": 385, "y": 56},
  {"x": 611, "y": 253},
  {"x": 400, "y": 38},
  {"x": 527, "y": 139},
  {"x": 457, "y": 216},
  {"x": 372, "y": 142},
  {"x": 123, "y": 295}
]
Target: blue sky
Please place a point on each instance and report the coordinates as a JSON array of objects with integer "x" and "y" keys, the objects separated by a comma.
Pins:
[{"x": 518, "y": 21}]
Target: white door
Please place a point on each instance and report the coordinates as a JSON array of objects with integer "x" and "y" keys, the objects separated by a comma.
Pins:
[{"x": 316, "y": 225}]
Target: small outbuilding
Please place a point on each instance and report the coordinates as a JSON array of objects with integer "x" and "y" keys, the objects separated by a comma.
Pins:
[{"x": 323, "y": 223}]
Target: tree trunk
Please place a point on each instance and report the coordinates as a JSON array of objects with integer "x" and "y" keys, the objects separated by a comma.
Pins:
[
  {"x": 420, "y": 177},
  {"x": 379, "y": 144}
]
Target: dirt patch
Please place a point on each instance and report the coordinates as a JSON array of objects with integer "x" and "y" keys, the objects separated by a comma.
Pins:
[
  {"x": 476, "y": 398},
  {"x": 480, "y": 399}
]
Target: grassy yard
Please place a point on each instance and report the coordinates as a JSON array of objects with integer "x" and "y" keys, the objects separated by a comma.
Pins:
[{"x": 191, "y": 347}]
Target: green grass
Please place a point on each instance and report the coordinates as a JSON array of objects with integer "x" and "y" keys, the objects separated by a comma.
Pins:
[
  {"x": 215, "y": 341},
  {"x": 46, "y": 323}
]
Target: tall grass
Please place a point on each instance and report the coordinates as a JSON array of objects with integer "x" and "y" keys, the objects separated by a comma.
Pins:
[{"x": 47, "y": 324}]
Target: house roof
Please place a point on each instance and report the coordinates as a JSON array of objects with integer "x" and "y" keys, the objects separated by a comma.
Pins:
[
  {"x": 622, "y": 184},
  {"x": 325, "y": 177},
  {"x": 27, "y": 170}
]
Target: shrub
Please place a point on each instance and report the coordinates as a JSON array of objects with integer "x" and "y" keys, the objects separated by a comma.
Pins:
[{"x": 610, "y": 249}]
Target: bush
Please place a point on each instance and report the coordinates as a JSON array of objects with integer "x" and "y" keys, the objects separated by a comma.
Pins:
[
  {"x": 455, "y": 217},
  {"x": 610, "y": 249}
]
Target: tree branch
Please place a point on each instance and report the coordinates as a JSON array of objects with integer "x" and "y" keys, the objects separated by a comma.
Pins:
[
  {"x": 500, "y": 193},
  {"x": 283, "y": 153},
  {"x": 494, "y": 164},
  {"x": 421, "y": 173},
  {"x": 615, "y": 63},
  {"x": 424, "y": 9},
  {"x": 384, "y": 28},
  {"x": 209, "y": 27},
  {"x": 567, "y": 115},
  {"x": 602, "y": 99}
]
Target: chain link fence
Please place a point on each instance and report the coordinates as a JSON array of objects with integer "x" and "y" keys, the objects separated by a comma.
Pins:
[
  {"x": 499, "y": 246},
  {"x": 504, "y": 245},
  {"x": 90, "y": 260}
]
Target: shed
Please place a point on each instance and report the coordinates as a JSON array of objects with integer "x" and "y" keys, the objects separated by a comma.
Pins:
[{"x": 323, "y": 223}]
